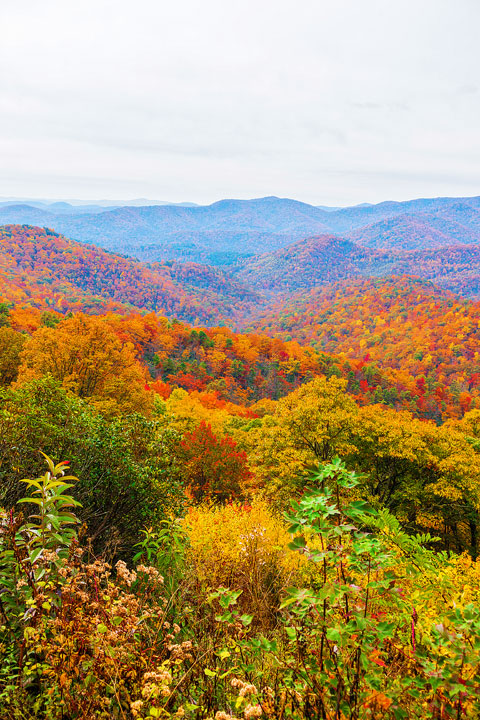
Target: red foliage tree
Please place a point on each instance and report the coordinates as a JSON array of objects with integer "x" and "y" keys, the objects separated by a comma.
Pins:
[{"x": 213, "y": 467}]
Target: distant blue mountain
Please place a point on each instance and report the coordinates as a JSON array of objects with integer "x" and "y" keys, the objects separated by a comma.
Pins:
[{"x": 227, "y": 230}]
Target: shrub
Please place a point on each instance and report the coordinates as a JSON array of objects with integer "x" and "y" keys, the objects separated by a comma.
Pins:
[
  {"x": 75, "y": 642},
  {"x": 367, "y": 641},
  {"x": 242, "y": 547},
  {"x": 381, "y": 630}
]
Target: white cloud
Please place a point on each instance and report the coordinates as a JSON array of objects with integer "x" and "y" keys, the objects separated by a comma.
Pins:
[{"x": 329, "y": 102}]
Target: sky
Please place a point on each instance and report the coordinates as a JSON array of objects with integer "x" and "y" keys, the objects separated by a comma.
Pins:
[{"x": 331, "y": 102}]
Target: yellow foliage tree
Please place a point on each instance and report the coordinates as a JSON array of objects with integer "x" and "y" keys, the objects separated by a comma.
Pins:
[
  {"x": 87, "y": 357},
  {"x": 311, "y": 424},
  {"x": 11, "y": 343}
]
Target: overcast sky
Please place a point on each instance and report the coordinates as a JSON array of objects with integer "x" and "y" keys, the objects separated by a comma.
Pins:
[{"x": 334, "y": 102}]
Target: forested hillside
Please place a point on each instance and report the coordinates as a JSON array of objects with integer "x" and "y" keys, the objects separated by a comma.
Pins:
[
  {"x": 211, "y": 513},
  {"x": 318, "y": 261},
  {"x": 406, "y": 326},
  {"x": 399, "y": 340},
  {"x": 418, "y": 231},
  {"x": 146, "y": 364},
  {"x": 44, "y": 269},
  {"x": 217, "y": 233},
  {"x": 306, "y": 264}
]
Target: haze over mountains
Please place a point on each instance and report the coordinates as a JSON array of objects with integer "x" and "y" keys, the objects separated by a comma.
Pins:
[
  {"x": 229, "y": 230},
  {"x": 81, "y": 206}
]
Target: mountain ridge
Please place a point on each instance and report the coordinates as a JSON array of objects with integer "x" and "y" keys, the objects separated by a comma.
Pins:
[{"x": 229, "y": 230}]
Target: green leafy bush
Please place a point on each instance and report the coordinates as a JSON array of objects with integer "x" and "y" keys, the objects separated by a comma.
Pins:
[{"x": 128, "y": 468}]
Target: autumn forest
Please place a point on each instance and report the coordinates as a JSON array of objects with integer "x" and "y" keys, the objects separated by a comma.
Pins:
[{"x": 240, "y": 461}]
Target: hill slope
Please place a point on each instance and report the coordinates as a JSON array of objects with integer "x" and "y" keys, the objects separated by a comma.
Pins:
[
  {"x": 306, "y": 264},
  {"x": 465, "y": 211},
  {"x": 174, "y": 232},
  {"x": 408, "y": 327},
  {"x": 413, "y": 232},
  {"x": 317, "y": 261},
  {"x": 398, "y": 340},
  {"x": 41, "y": 268}
]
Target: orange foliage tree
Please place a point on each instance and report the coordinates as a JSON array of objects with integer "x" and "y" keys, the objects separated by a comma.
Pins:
[
  {"x": 11, "y": 343},
  {"x": 86, "y": 356}
]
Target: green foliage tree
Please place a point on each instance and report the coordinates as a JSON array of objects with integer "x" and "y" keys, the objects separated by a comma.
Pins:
[
  {"x": 5, "y": 313},
  {"x": 128, "y": 467}
]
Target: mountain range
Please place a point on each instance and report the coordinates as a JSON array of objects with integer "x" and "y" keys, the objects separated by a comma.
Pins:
[
  {"x": 318, "y": 261},
  {"x": 229, "y": 231},
  {"x": 234, "y": 260}
]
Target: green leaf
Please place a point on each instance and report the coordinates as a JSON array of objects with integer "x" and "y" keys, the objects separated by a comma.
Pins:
[
  {"x": 360, "y": 507},
  {"x": 334, "y": 635},
  {"x": 35, "y": 554},
  {"x": 297, "y": 543}
]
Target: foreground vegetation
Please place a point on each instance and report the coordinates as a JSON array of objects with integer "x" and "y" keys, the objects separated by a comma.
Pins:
[
  {"x": 351, "y": 619},
  {"x": 215, "y": 558}
]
